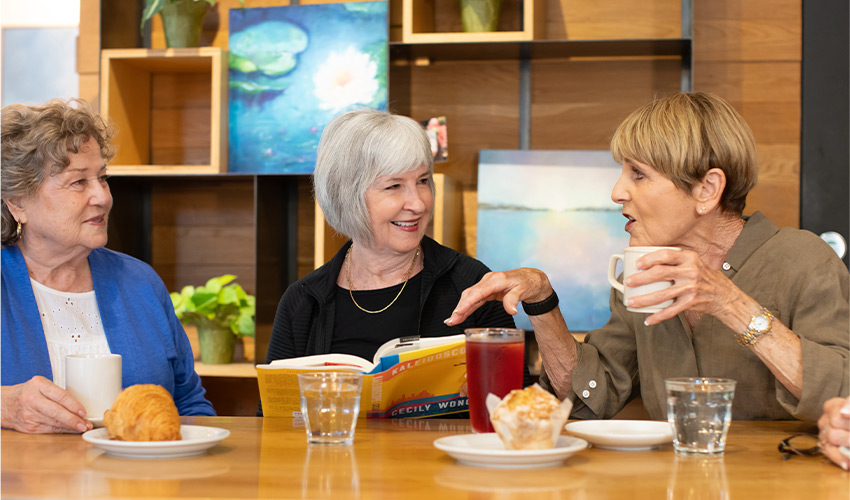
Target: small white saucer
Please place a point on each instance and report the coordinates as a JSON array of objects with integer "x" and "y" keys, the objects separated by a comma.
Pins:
[
  {"x": 631, "y": 435},
  {"x": 196, "y": 440},
  {"x": 487, "y": 450}
]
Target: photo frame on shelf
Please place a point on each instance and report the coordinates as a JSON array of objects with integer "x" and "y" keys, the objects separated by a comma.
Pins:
[
  {"x": 438, "y": 136},
  {"x": 291, "y": 70},
  {"x": 552, "y": 210}
]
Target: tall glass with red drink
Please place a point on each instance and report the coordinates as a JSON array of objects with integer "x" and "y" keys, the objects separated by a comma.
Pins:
[{"x": 494, "y": 364}]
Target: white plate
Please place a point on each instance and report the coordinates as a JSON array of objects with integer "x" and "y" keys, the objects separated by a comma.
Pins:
[
  {"x": 487, "y": 450},
  {"x": 196, "y": 440},
  {"x": 622, "y": 434}
]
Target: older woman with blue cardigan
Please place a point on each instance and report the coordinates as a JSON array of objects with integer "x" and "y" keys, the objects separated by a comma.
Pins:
[{"x": 62, "y": 292}]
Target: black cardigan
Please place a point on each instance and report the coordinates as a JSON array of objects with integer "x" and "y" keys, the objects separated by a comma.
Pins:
[{"x": 304, "y": 321}]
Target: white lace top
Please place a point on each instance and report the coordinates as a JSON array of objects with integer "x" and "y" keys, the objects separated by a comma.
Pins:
[{"x": 71, "y": 324}]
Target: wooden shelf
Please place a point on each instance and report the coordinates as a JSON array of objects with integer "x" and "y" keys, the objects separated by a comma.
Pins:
[
  {"x": 420, "y": 25},
  {"x": 170, "y": 109},
  {"x": 238, "y": 370},
  {"x": 446, "y": 226},
  {"x": 538, "y": 49}
]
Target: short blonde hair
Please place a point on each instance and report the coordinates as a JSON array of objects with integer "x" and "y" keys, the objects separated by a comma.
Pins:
[
  {"x": 356, "y": 148},
  {"x": 684, "y": 135},
  {"x": 36, "y": 142}
]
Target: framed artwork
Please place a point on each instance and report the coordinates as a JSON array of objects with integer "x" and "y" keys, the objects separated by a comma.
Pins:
[
  {"x": 552, "y": 210},
  {"x": 292, "y": 69}
]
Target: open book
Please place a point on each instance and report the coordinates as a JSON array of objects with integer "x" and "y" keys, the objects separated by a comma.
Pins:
[{"x": 409, "y": 377}]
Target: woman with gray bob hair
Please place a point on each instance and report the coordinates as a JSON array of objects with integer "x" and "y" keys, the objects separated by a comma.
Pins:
[
  {"x": 356, "y": 148},
  {"x": 62, "y": 292},
  {"x": 374, "y": 183}
]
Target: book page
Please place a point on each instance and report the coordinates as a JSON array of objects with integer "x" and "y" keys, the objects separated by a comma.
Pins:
[{"x": 322, "y": 361}]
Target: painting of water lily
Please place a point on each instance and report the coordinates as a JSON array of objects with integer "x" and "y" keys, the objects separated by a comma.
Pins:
[
  {"x": 292, "y": 69},
  {"x": 552, "y": 210}
]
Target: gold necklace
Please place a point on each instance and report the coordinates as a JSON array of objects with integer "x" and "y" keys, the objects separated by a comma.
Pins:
[{"x": 351, "y": 285}]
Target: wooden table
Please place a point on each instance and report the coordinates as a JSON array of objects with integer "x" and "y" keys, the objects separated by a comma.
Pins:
[{"x": 395, "y": 459}]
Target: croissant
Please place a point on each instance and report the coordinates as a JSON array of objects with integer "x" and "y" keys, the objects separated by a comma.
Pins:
[{"x": 144, "y": 412}]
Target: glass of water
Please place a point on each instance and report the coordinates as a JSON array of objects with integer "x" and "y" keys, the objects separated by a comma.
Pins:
[
  {"x": 699, "y": 410},
  {"x": 330, "y": 404}
]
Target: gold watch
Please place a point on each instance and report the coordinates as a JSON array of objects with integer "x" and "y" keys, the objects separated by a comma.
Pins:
[{"x": 759, "y": 325}]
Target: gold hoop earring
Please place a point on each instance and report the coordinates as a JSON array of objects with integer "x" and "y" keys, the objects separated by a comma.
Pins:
[{"x": 19, "y": 230}]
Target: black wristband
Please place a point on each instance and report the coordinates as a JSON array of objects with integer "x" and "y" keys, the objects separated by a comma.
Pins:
[{"x": 542, "y": 307}]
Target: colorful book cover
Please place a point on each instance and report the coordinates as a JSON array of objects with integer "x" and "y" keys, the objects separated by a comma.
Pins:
[{"x": 413, "y": 384}]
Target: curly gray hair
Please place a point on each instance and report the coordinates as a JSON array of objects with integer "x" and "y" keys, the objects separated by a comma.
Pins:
[{"x": 36, "y": 142}]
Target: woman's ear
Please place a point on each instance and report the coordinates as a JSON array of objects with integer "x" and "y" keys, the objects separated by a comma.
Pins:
[
  {"x": 709, "y": 190},
  {"x": 16, "y": 209}
]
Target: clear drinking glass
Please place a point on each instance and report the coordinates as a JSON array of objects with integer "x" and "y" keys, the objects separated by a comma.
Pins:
[
  {"x": 330, "y": 404},
  {"x": 699, "y": 409}
]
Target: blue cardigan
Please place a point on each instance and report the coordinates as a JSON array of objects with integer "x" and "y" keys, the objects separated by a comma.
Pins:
[{"x": 137, "y": 316}]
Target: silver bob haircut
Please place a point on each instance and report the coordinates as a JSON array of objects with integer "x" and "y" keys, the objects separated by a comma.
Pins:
[{"x": 356, "y": 148}]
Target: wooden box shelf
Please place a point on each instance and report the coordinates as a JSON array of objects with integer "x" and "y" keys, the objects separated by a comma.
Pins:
[
  {"x": 421, "y": 22},
  {"x": 170, "y": 109}
]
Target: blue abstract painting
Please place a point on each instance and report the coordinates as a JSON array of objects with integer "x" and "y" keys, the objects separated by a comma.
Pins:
[
  {"x": 552, "y": 210},
  {"x": 292, "y": 69}
]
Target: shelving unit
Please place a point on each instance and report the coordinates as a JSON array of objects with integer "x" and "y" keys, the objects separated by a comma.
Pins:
[
  {"x": 190, "y": 228},
  {"x": 420, "y": 23},
  {"x": 170, "y": 107},
  {"x": 536, "y": 83}
]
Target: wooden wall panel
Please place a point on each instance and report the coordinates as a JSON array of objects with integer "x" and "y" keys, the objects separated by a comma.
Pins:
[
  {"x": 747, "y": 30},
  {"x": 306, "y": 213},
  {"x": 613, "y": 19},
  {"x": 749, "y": 52},
  {"x": 480, "y": 100},
  {"x": 201, "y": 229},
  {"x": 88, "y": 52},
  {"x": 180, "y": 118},
  {"x": 577, "y": 103}
]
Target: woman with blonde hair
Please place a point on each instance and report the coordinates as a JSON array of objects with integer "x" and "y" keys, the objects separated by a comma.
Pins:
[{"x": 766, "y": 306}]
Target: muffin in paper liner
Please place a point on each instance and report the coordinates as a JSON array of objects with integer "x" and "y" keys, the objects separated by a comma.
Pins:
[{"x": 528, "y": 419}]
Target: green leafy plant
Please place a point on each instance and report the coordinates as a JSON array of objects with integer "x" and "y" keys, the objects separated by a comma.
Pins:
[{"x": 217, "y": 303}]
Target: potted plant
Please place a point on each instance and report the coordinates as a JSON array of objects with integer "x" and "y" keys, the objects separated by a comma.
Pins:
[
  {"x": 182, "y": 20},
  {"x": 222, "y": 312},
  {"x": 480, "y": 15}
]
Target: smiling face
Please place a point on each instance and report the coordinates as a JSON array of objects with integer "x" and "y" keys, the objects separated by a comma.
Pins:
[
  {"x": 400, "y": 207},
  {"x": 658, "y": 213},
  {"x": 68, "y": 214}
]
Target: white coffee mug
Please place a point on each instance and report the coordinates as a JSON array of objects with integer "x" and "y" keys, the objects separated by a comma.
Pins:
[
  {"x": 629, "y": 256},
  {"x": 94, "y": 380}
]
